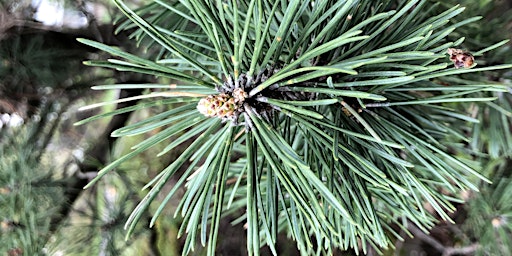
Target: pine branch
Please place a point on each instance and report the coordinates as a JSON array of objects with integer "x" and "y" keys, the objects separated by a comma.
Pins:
[{"x": 337, "y": 112}]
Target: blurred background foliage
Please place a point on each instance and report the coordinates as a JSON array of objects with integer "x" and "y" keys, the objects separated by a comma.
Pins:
[{"x": 45, "y": 161}]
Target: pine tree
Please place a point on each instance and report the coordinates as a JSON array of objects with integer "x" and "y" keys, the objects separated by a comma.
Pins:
[
  {"x": 336, "y": 122},
  {"x": 30, "y": 194}
]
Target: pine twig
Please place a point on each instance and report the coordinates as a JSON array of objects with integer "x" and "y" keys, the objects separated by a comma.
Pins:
[
  {"x": 470, "y": 249},
  {"x": 446, "y": 251}
]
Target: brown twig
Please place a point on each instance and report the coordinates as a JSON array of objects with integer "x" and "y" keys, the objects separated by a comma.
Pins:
[
  {"x": 446, "y": 251},
  {"x": 470, "y": 249}
]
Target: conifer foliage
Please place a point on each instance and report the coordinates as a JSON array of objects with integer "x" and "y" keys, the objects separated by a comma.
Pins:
[{"x": 321, "y": 119}]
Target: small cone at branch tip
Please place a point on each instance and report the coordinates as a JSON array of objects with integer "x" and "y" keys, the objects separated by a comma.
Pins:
[{"x": 221, "y": 105}]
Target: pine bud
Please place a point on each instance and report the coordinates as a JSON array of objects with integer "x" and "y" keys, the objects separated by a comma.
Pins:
[{"x": 220, "y": 105}]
